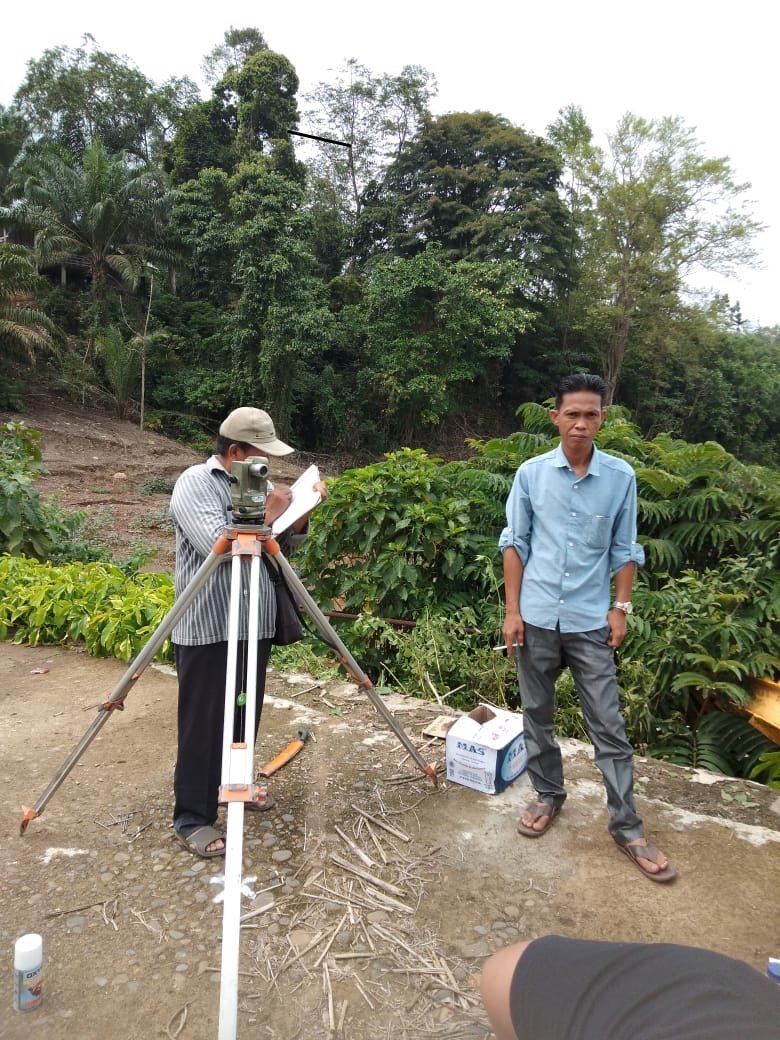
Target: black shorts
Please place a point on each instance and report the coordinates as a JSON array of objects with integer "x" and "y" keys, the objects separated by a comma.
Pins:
[{"x": 580, "y": 989}]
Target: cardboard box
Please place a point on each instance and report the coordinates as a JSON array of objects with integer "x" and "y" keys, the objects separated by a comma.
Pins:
[{"x": 486, "y": 749}]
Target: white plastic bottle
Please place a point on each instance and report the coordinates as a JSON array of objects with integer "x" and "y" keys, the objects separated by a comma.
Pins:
[
  {"x": 28, "y": 969},
  {"x": 773, "y": 969}
]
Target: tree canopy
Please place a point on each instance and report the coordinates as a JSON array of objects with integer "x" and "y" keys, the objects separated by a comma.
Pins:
[
  {"x": 650, "y": 209},
  {"x": 72, "y": 96},
  {"x": 409, "y": 275},
  {"x": 101, "y": 218}
]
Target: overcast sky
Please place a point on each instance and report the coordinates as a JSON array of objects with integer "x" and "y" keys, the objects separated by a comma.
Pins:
[{"x": 712, "y": 63}]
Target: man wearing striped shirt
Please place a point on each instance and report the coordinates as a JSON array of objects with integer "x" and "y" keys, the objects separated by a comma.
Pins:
[{"x": 200, "y": 509}]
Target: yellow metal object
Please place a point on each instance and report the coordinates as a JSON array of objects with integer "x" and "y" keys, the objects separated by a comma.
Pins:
[{"x": 764, "y": 709}]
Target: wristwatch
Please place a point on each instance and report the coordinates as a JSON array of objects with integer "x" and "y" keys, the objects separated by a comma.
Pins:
[{"x": 627, "y": 607}]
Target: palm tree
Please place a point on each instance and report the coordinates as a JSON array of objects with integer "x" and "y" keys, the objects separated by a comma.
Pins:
[
  {"x": 103, "y": 218},
  {"x": 23, "y": 328}
]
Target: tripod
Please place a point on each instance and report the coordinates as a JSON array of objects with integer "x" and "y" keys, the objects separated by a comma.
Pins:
[{"x": 247, "y": 540}]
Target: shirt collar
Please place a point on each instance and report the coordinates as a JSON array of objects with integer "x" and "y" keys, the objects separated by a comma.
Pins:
[
  {"x": 560, "y": 460},
  {"x": 213, "y": 465}
]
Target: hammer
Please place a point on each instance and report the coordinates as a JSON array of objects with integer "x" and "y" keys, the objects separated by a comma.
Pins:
[{"x": 286, "y": 754}]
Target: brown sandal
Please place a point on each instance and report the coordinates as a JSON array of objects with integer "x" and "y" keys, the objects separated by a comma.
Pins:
[
  {"x": 197, "y": 842},
  {"x": 637, "y": 852},
  {"x": 537, "y": 810},
  {"x": 262, "y": 803}
]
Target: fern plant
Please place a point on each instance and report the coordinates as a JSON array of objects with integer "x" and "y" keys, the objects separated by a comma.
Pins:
[
  {"x": 705, "y": 635},
  {"x": 722, "y": 743},
  {"x": 766, "y": 768}
]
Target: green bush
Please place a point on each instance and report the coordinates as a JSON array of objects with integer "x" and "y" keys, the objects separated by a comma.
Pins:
[
  {"x": 705, "y": 635},
  {"x": 445, "y": 657},
  {"x": 28, "y": 525},
  {"x": 156, "y": 485},
  {"x": 11, "y": 394},
  {"x": 407, "y": 534},
  {"x": 94, "y": 603}
]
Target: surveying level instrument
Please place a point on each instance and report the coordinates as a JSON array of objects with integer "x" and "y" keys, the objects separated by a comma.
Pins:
[
  {"x": 249, "y": 490},
  {"x": 245, "y": 541}
]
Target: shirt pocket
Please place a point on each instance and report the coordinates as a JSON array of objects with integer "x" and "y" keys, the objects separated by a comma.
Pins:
[{"x": 598, "y": 532}]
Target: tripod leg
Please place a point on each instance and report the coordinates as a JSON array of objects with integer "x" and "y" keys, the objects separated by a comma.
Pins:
[
  {"x": 345, "y": 657},
  {"x": 131, "y": 676}
]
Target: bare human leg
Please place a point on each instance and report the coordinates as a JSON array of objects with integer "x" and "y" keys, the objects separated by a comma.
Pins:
[{"x": 497, "y": 975}]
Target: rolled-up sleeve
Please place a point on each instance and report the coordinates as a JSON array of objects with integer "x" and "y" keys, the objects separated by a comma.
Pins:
[
  {"x": 519, "y": 518},
  {"x": 625, "y": 548}
]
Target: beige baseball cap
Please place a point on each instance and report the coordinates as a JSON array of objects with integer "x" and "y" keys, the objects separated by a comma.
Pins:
[{"x": 254, "y": 426}]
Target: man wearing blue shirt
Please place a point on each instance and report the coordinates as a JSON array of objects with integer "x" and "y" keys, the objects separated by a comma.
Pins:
[{"x": 571, "y": 523}]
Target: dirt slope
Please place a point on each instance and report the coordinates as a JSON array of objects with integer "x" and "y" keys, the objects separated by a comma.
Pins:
[{"x": 106, "y": 466}]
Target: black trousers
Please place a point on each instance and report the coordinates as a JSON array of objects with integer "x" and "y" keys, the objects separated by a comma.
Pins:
[{"x": 201, "y": 673}]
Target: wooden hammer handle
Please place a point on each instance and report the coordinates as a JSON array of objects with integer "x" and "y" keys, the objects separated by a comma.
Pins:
[{"x": 282, "y": 758}]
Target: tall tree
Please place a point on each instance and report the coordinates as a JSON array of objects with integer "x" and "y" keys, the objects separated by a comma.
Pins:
[
  {"x": 655, "y": 209},
  {"x": 278, "y": 321},
  {"x": 200, "y": 217},
  {"x": 262, "y": 95},
  {"x": 437, "y": 334},
  {"x": 573, "y": 138},
  {"x": 251, "y": 111},
  {"x": 71, "y": 96},
  {"x": 482, "y": 189},
  {"x": 24, "y": 329},
  {"x": 236, "y": 46},
  {"x": 203, "y": 140},
  {"x": 102, "y": 219},
  {"x": 376, "y": 115}
]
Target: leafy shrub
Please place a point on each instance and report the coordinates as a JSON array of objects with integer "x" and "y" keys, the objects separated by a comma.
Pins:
[
  {"x": 11, "y": 394},
  {"x": 445, "y": 657},
  {"x": 94, "y": 603},
  {"x": 156, "y": 485},
  {"x": 28, "y": 525},
  {"x": 705, "y": 634},
  {"x": 405, "y": 534}
]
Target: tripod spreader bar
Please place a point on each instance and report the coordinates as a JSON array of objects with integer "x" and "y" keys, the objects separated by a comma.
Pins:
[{"x": 130, "y": 677}]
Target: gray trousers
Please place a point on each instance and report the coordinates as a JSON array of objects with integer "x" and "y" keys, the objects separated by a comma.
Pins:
[{"x": 592, "y": 664}]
